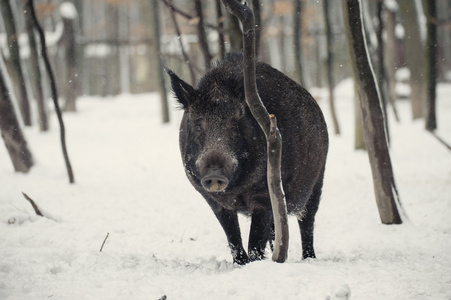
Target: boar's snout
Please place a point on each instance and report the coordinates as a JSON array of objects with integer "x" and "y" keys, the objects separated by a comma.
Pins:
[
  {"x": 216, "y": 169},
  {"x": 214, "y": 180}
]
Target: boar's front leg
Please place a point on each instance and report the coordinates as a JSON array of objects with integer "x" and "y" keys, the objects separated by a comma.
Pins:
[
  {"x": 229, "y": 222},
  {"x": 261, "y": 232}
]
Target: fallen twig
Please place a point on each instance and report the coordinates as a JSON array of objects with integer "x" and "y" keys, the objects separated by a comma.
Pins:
[
  {"x": 104, "y": 241},
  {"x": 34, "y": 205},
  {"x": 440, "y": 139}
]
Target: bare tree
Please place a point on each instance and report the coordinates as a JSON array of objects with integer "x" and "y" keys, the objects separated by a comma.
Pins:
[
  {"x": 69, "y": 15},
  {"x": 157, "y": 49},
  {"x": 414, "y": 54},
  {"x": 431, "y": 64},
  {"x": 53, "y": 89},
  {"x": 329, "y": 66},
  {"x": 390, "y": 56},
  {"x": 16, "y": 68},
  {"x": 297, "y": 40},
  {"x": 35, "y": 78},
  {"x": 386, "y": 192},
  {"x": 11, "y": 132},
  {"x": 221, "y": 39}
]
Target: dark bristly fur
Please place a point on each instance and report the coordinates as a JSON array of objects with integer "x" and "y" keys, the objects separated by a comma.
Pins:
[{"x": 220, "y": 139}]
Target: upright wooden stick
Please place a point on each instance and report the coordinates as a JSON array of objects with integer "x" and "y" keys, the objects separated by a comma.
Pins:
[{"x": 269, "y": 126}]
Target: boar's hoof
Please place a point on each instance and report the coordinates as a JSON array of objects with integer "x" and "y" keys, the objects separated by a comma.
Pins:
[{"x": 214, "y": 181}]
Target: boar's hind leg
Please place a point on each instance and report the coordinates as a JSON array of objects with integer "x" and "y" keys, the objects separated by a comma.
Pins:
[
  {"x": 261, "y": 232},
  {"x": 229, "y": 222},
  {"x": 306, "y": 223}
]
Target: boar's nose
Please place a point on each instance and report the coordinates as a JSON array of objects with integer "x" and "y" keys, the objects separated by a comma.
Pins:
[{"x": 214, "y": 180}]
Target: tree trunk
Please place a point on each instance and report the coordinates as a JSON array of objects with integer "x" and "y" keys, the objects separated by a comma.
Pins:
[
  {"x": 112, "y": 77},
  {"x": 386, "y": 193},
  {"x": 70, "y": 55},
  {"x": 221, "y": 40},
  {"x": 431, "y": 64},
  {"x": 159, "y": 64},
  {"x": 415, "y": 56},
  {"x": 380, "y": 70},
  {"x": 390, "y": 60},
  {"x": 268, "y": 125},
  {"x": 14, "y": 55},
  {"x": 297, "y": 40},
  {"x": 36, "y": 78},
  {"x": 359, "y": 139},
  {"x": 329, "y": 66},
  {"x": 11, "y": 132}
]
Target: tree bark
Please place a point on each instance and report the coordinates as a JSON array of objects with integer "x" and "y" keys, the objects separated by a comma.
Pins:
[
  {"x": 54, "y": 92},
  {"x": 380, "y": 69},
  {"x": 390, "y": 59},
  {"x": 329, "y": 66},
  {"x": 386, "y": 193},
  {"x": 36, "y": 78},
  {"x": 359, "y": 139},
  {"x": 221, "y": 40},
  {"x": 414, "y": 55},
  {"x": 112, "y": 79},
  {"x": 431, "y": 64},
  {"x": 161, "y": 84},
  {"x": 297, "y": 40},
  {"x": 70, "y": 55},
  {"x": 268, "y": 125},
  {"x": 16, "y": 69},
  {"x": 11, "y": 132}
]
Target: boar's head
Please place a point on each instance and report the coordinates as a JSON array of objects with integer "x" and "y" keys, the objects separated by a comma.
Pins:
[{"x": 220, "y": 142}]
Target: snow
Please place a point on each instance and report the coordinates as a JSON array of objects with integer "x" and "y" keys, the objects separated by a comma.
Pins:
[
  {"x": 68, "y": 10},
  {"x": 164, "y": 239}
]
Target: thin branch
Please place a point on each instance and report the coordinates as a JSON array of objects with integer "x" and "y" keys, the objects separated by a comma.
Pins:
[
  {"x": 201, "y": 35},
  {"x": 186, "y": 15},
  {"x": 179, "y": 35},
  {"x": 107, "y": 235},
  {"x": 440, "y": 139},
  {"x": 34, "y": 205},
  {"x": 53, "y": 89}
]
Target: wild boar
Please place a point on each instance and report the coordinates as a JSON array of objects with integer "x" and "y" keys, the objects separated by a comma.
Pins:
[{"x": 224, "y": 151}]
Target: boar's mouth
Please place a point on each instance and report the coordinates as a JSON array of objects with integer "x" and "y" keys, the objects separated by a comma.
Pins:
[{"x": 214, "y": 180}]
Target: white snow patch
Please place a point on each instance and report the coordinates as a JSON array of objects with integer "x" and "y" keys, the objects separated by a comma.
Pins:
[{"x": 68, "y": 10}]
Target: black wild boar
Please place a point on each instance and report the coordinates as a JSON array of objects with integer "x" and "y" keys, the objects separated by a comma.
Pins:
[{"x": 224, "y": 151}]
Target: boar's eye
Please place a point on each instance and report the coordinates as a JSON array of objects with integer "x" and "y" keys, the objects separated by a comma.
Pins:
[
  {"x": 198, "y": 127},
  {"x": 235, "y": 128}
]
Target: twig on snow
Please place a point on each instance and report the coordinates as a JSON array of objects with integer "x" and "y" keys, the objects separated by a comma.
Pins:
[
  {"x": 33, "y": 204},
  {"x": 104, "y": 241}
]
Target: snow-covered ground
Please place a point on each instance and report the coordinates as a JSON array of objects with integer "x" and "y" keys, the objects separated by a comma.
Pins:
[{"x": 164, "y": 239}]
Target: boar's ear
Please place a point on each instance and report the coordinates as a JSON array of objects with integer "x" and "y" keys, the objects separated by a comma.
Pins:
[{"x": 184, "y": 92}]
